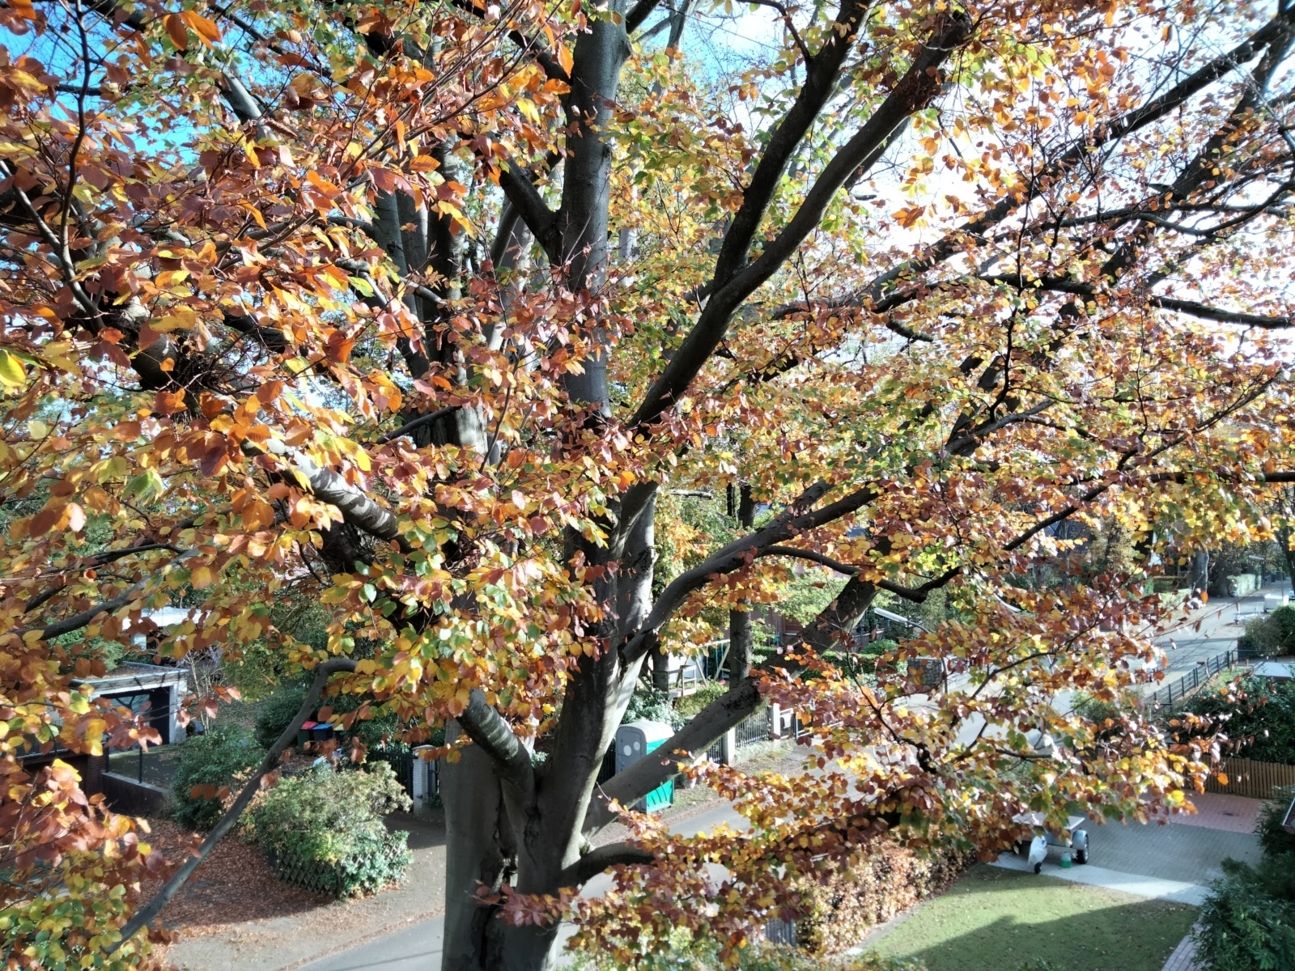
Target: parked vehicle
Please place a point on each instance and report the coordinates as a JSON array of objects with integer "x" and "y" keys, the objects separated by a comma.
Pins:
[{"x": 1071, "y": 840}]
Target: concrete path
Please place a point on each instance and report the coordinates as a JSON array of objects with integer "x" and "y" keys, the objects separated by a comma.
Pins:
[
  {"x": 1183, "y": 957},
  {"x": 1096, "y": 876},
  {"x": 417, "y": 948},
  {"x": 1173, "y": 861}
]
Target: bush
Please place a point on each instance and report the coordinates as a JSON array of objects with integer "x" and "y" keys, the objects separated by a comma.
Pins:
[
  {"x": 277, "y": 712},
  {"x": 323, "y": 830},
  {"x": 1257, "y": 715},
  {"x": 1269, "y": 636},
  {"x": 650, "y": 703},
  {"x": 1248, "y": 920},
  {"x": 1242, "y": 925},
  {"x": 1283, "y": 622},
  {"x": 860, "y": 660},
  {"x": 681, "y": 952},
  {"x": 210, "y": 763},
  {"x": 1275, "y": 840},
  {"x": 687, "y": 706},
  {"x": 1095, "y": 710}
]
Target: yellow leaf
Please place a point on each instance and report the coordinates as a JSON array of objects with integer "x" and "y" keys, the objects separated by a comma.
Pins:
[
  {"x": 12, "y": 373},
  {"x": 201, "y": 577},
  {"x": 456, "y": 214},
  {"x": 94, "y": 732}
]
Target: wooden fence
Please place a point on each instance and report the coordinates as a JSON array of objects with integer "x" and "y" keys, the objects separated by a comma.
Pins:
[{"x": 1246, "y": 777}]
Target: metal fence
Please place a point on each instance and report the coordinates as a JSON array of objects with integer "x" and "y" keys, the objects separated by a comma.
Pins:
[
  {"x": 1190, "y": 682},
  {"x": 751, "y": 729}
]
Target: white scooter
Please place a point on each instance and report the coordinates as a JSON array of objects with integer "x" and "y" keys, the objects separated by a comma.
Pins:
[{"x": 1072, "y": 839}]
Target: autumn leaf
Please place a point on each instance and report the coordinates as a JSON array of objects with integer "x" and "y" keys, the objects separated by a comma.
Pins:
[{"x": 13, "y": 375}]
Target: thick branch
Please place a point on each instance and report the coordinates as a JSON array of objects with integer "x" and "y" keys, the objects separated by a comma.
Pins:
[
  {"x": 820, "y": 78},
  {"x": 411, "y": 426},
  {"x": 525, "y": 198},
  {"x": 729, "y": 558},
  {"x": 1206, "y": 312},
  {"x": 639, "y": 13},
  {"x": 327, "y": 486},
  {"x": 693, "y": 739},
  {"x": 84, "y": 617},
  {"x": 487, "y": 729},
  {"x": 602, "y": 858},
  {"x": 813, "y": 556}
]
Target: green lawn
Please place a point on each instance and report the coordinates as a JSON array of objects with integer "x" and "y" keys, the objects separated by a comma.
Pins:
[{"x": 999, "y": 920}]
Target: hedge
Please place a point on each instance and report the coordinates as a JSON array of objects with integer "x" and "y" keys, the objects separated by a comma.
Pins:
[
  {"x": 1257, "y": 714},
  {"x": 1247, "y": 922},
  {"x": 839, "y": 911}
]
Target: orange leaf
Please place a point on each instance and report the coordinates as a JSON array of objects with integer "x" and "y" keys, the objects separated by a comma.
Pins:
[
  {"x": 174, "y": 24},
  {"x": 909, "y": 215},
  {"x": 267, "y": 392},
  {"x": 206, "y": 30}
]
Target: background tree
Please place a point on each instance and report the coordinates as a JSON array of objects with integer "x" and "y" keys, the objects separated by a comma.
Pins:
[{"x": 323, "y": 296}]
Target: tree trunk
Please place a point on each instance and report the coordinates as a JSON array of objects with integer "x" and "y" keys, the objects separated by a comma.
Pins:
[
  {"x": 1199, "y": 576},
  {"x": 475, "y": 855},
  {"x": 739, "y": 621}
]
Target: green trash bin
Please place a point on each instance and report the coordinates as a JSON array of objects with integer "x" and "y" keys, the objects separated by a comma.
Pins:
[{"x": 633, "y": 742}]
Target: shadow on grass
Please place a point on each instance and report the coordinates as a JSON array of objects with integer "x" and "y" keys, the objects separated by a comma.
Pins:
[{"x": 1000, "y": 920}]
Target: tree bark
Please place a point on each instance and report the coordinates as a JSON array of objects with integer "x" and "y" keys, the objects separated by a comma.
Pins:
[
  {"x": 476, "y": 854},
  {"x": 1199, "y": 576},
  {"x": 739, "y": 621}
]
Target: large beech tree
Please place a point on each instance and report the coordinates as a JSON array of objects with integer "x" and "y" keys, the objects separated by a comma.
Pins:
[{"x": 432, "y": 310}]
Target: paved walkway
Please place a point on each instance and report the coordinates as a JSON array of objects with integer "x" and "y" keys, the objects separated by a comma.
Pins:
[
  {"x": 1184, "y": 956},
  {"x": 1130, "y": 883}
]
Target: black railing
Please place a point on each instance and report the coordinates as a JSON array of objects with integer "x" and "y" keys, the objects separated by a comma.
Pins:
[
  {"x": 751, "y": 729},
  {"x": 1190, "y": 682}
]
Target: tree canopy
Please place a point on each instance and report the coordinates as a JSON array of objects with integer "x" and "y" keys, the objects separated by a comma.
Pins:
[{"x": 433, "y": 313}]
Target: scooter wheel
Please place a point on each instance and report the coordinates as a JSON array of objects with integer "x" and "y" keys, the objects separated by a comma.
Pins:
[{"x": 1038, "y": 867}]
